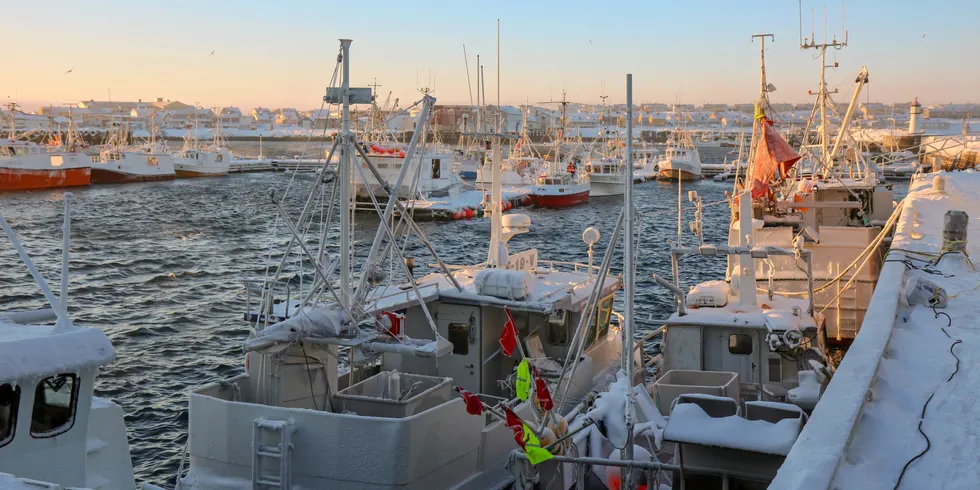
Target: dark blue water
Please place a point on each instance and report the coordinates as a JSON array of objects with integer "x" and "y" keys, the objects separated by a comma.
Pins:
[{"x": 158, "y": 267}]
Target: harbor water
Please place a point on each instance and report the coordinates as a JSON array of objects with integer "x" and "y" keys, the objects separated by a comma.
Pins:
[{"x": 159, "y": 268}]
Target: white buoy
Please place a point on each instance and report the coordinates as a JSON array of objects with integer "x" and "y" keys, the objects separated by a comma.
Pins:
[{"x": 394, "y": 385}]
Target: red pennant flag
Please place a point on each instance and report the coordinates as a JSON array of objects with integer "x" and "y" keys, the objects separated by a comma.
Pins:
[
  {"x": 473, "y": 404},
  {"x": 541, "y": 392},
  {"x": 508, "y": 340},
  {"x": 515, "y": 424}
]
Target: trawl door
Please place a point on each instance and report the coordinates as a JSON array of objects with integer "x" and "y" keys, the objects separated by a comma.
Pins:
[{"x": 460, "y": 325}]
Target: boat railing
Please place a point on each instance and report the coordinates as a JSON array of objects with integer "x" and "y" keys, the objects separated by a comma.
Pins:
[
  {"x": 563, "y": 266},
  {"x": 269, "y": 285}
]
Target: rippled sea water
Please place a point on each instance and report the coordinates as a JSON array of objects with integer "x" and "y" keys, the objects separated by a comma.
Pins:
[{"x": 158, "y": 267}]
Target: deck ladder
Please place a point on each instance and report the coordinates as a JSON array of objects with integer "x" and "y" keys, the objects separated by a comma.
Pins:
[{"x": 266, "y": 458}]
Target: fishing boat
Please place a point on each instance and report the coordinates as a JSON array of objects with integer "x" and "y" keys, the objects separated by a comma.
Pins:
[
  {"x": 736, "y": 374},
  {"x": 118, "y": 162},
  {"x": 197, "y": 160},
  {"x": 607, "y": 175},
  {"x": 418, "y": 355},
  {"x": 522, "y": 165},
  {"x": 24, "y": 165},
  {"x": 680, "y": 160},
  {"x": 826, "y": 196},
  {"x": 54, "y": 432},
  {"x": 561, "y": 185}
]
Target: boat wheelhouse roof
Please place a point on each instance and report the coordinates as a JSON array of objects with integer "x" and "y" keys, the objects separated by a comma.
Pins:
[
  {"x": 549, "y": 290},
  {"x": 779, "y": 313},
  {"x": 38, "y": 351}
]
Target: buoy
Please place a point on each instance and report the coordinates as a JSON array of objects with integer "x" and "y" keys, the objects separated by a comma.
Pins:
[
  {"x": 391, "y": 151},
  {"x": 526, "y": 200},
  {"x": 401, "y": 154},
  {"x": 469, "y": 213},
  {"x": 614, "y": 473},
  {"x": 458, "y": 215}
]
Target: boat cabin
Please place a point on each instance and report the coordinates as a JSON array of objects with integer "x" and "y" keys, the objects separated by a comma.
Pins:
[
  {"x": 52, "y": 429},
  {"x": 430, "y": 174},
  {"x": 15, "y": 148}
]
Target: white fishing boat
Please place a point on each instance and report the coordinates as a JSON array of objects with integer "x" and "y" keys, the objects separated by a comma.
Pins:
[
  {"x": 118, "y": 162},
  {"x": 54, "y": 432},
  {"x": 522, "y": 165},
  {"x": 607, "y": 177},
  {"x": 431, "y": 173},
  {"x": 197, "y": 160},
  {"x": 680, "y": 160},
  {"x": 824, "y": 195},
  {"x": 389, "y": 418}
]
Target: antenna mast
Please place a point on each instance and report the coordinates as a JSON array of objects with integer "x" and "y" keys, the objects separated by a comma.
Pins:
[{"x": 822, "y": 92}]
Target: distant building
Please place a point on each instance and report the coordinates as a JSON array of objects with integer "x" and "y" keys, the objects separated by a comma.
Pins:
[
  {"x": 229, "y": 117},
  {"x": 24, "y": 121},
  {"x": 262, "y": 117},
  {"x": 287, "y": 117}
]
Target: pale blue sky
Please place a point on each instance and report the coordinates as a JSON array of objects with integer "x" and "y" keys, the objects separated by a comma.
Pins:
[{"x": 281, "y": 53}]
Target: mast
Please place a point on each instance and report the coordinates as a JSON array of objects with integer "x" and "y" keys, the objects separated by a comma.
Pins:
[
  {"x": 629, "y": 285},
  {"x": 497, "y": 128},
  {"x": 344, "y": 174},
  {"x": 479, "y": 108},
  {"x": 822, "y": 92},
  {"x": 763, "y": 89},
  {"x": 495, "y": 257}
]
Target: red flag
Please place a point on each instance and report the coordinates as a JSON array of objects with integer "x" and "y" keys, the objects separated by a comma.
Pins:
[
  {"x": 508, "y": 339},
  {"x": 541, "y": 392},
  {"x": 772, "y": 152},
  {"x": 515, "y": 424},
  {"x": 473, "y": 404}
]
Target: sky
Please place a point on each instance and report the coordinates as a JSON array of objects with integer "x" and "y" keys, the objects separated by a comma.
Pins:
[{"x": 282, "y": 54}]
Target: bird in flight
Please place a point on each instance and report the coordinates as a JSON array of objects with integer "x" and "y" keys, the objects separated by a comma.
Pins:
[
  {"x": 212, "y": 53},
  {"x": 69, "y": 71},
  {"x": 923, "y": 35}
]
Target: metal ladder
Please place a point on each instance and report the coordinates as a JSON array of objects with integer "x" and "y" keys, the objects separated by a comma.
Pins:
[{"x": 280, "y": 430}]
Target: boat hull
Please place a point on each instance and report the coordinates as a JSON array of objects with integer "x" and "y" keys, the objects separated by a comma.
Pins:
[
  {"x": 674, "y": 174},
  {"x": 560, "y": 200},
  {"x": 16, "y": 179},
  {"x": 195, "y": 171},
  {"x": 105, "y": 176},
  {"x": 599, "y": 188}
]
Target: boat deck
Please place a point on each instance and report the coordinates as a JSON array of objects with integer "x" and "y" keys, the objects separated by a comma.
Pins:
[{"x": 911, "y": 371}]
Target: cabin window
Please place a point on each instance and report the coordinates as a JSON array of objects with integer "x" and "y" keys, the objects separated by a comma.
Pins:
[
  {"x": 459, "y": 336},
  {"x": 55, "y": 401},
  {"x": 9, "y": 401},
  {"x": 436, "y": 168},
  {"x": 775, "y": 370},
  {"x": 602, "y": 315},
  {"x": 219, "y": 157},
  {"x": 740, "y": 344}
]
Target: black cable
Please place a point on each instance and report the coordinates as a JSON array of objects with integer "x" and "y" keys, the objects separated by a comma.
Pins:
[
  {"x": 309, "y": 375},
  {"x": 926, "y": 404}
]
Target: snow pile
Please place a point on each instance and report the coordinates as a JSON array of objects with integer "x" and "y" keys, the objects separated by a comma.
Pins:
[
  {"x": 35, "y": 352},
  {"x": 689, "y": 423}
]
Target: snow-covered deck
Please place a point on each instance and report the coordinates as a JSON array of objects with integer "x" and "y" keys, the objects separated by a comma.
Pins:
[{"x": 866, "y": 428}]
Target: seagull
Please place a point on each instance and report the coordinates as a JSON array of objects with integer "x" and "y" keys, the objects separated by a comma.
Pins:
[
  {"x": 923, "y": 35},
  {"x": 590, "y": 41},
  {"x": 212, "y": 53},
  {"x": 69, "y": 71}
]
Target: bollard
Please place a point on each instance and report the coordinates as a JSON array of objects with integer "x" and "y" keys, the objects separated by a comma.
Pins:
[{"x": 954, "y": 231}]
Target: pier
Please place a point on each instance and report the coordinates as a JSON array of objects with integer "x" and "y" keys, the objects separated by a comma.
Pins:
[{"x": 901, "y": 409}]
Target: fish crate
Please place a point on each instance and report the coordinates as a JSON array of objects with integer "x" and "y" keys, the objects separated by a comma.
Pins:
[{"x": 376, "y": 396}]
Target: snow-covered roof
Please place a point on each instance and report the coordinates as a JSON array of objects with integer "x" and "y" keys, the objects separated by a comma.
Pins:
[{"x": 37, "y": 351}]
